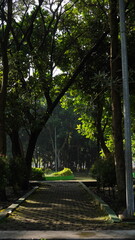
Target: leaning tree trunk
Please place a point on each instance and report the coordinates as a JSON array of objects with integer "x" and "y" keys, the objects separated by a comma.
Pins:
[
  {"x": 116, "y": 103},
  {"x": 29, "y": 154}
]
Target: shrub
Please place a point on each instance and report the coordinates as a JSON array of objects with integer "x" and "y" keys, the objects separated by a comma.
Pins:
[
  {"x": 37, "y": 174},
  {"x": 17, "y": 172},
  {"x": 64, "y": 172},
  {"x": 104, "y": 171},
  {"x": 48, "y": 171},
  {"x": 4, "y": 176},
  {"x": 4, "y": 171}
]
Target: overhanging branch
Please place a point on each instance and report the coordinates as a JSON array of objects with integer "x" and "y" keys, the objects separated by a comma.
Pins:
[{"x": 77, "y": 71}]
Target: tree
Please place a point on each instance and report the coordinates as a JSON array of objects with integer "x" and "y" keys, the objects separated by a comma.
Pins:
[
  {"x": 5, "y": 27},
  {"x": 116, "y": 102},
  {"x": 33, "y": 58},
  {"x": 72, "y": 149},
  {"x": 87, "y": 87},
  {"x": 93, "y": 80}
]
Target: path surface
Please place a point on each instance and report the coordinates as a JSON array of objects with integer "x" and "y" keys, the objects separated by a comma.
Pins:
[{"x": 57, "y": 206}]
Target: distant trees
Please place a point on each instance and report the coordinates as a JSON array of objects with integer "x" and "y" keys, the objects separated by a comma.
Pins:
[{"x": 60, "y": 142}]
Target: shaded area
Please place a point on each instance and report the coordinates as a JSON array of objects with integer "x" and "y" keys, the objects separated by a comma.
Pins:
[{"x": 56, "y": 206}]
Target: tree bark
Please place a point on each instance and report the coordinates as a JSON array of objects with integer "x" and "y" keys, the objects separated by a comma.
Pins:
[
  {"x": 17, "y": 150},
  {"x": 116, "y": 103},
  {"x": 3, "y": 99},
  {"x": 29, "y": 154},
  {"x": 2, "y": 127},
  {"x": 4, "y": 49},
  {"x": 100, "y": 130}
]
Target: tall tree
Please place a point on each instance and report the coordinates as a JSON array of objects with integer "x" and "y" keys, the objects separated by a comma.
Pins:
[
  {"x": 41, "y": 53},
  {"x": 5, "y": 28},
  {"x": 116, "y": 101}
]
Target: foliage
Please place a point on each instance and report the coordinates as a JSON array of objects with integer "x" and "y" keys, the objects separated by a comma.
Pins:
[
  {"x": 94, "y": 115},
  {"x": 64, "y": 172},
  {"x": 33, "y": 89},
  {"x": 48, "y": 171},
  {"x": 37, "y": 174},
  {"x": 4, "y": 172},
  {"x": 104, "y": 171},
  {"x": 17, "y": 172},
  {"x": 60, "y": 139}
]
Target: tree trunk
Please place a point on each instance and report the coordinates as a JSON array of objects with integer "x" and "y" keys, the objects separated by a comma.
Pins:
[
  {"x": 3, "y": 99},
  {"x": 2, "y": 126},
  {"x": 17, "y": 150},
  {"x": 99, "y": 129},
  {"x": 29, "y": 154},
  {"x": 116, "y": 103},
  {"x": 4, "y": 49},
  {"x": 3, "y": 91}
]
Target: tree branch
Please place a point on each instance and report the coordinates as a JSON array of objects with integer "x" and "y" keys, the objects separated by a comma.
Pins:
[
  {"x": 30, "y": 28},
  {"x": 77, "y": 71}
]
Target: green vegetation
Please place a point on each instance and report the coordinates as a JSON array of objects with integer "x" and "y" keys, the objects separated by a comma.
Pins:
[
  {"x": 103, "y": 171},
  {"x": 41, "y": 174},
  {"x": 65, "y": 174},
  {"x": 48, "y": 171},
  {"x": 4, "y": 176},
  {"x": 61, "y": 141},
  {"x": 37, "y": 174}
]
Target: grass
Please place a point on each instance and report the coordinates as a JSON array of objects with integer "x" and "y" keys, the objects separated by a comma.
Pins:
[
  {"x": 75, "y": 176},
  {"x": 51, "y": 177},
  {"x": 65, "y": 174}
]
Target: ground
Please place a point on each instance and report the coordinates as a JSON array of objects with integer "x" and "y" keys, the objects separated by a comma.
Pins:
[{"x": 107, "y": 196}]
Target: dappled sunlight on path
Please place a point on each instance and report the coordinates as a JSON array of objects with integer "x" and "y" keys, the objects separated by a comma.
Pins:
[{"x": 56, "y": 206}]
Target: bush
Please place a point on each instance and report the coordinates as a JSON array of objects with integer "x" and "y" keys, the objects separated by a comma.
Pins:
[
  {"x": 4, "y": 171},
  {"x": 64, "y": 172},
  {"x": 37, "y": 174},
  {"x": 18, "y": 172},
  {"x": 104, "y": 172},
  {"x": 4, "y": 176},
  {"x": 48, "y": 171}
]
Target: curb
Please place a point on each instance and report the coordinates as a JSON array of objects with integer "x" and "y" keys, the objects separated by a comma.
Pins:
[
  {"x": 112, "y": 215},
  {"x": 68, "y": 235},
  {"x": 13, "y": 206}
]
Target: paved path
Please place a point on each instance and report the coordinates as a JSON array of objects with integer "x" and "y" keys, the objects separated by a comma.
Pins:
[
  {"x": 60, "y": 210},
  {"x": 57, "y": 206}
]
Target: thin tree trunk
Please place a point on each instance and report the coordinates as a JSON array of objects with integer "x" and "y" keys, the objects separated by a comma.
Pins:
[{"x": 100, "y": 130}]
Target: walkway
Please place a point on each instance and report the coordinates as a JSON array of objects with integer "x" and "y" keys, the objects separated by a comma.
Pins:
[
  {"x": 61, "y": 210},
  {"x": 57, "y": 206}
]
